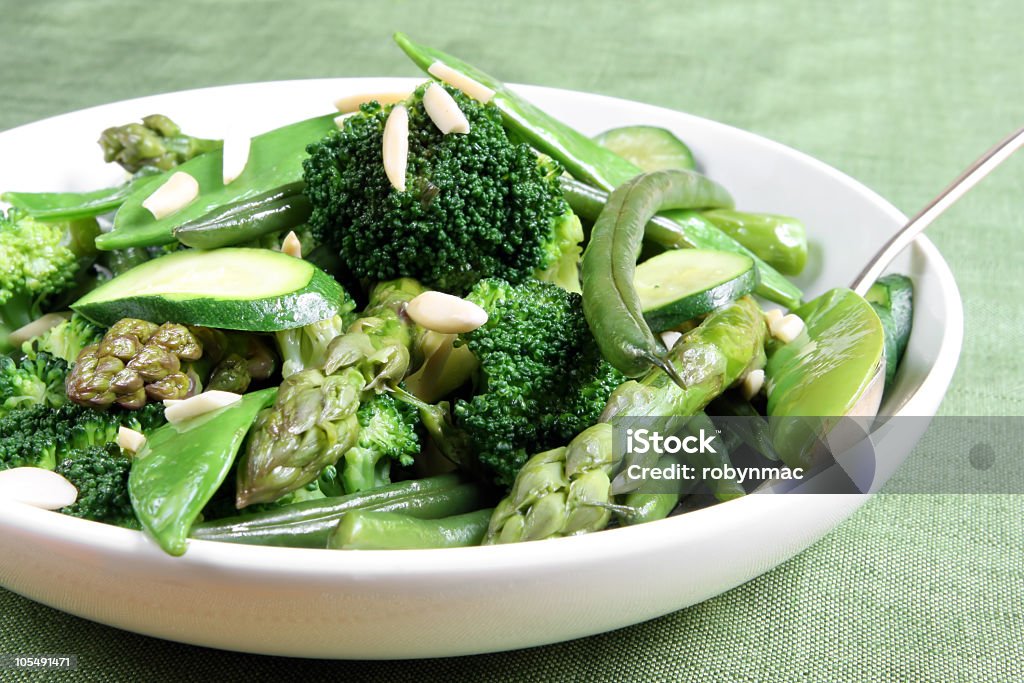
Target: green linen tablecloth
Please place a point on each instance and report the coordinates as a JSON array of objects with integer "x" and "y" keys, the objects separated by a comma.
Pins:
[{"x": 899, "y": 94}]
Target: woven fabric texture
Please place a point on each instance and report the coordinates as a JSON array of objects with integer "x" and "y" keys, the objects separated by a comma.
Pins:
[{"x": 900, "y": 94}]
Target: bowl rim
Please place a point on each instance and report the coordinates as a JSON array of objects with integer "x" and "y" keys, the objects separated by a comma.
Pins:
[{"x": 242, "y": 559}]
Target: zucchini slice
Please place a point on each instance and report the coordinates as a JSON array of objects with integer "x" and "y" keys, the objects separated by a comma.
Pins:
[
  {"x": 649, "y": 147},
  {"x": 892, "y": 297},
  {"x": 256, "y": 290},
  {"x": 681, "y": 284}
]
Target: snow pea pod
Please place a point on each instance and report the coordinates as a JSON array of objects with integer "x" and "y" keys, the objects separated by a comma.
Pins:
[
  {"x": 182, "y": 465},
  {"x": 610, "y": 300},
  {"x": 824, "y": 373},
  {"x": 685, "y": 229},
  {"x": 275, "y": 159},
  {"x": 75, "y": 205}
]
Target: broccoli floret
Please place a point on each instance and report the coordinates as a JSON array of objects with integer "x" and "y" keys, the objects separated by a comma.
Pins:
[
  {"x": 100, "y": 473},
  {"x": 42, "y": 436},
  {"x": 541, "y": 379},
  {"x": 156, "y": 144},
  {"x": 38, "y": 261},
  {"x": 387, "y": 433},
  {"x": 65, "y": 340},
  {"x": 37, "y": 380},
  {"x": 476, "y": 205}
]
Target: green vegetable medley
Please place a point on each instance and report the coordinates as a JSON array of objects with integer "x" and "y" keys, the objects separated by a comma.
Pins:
[{"x": 413, "y": 325}]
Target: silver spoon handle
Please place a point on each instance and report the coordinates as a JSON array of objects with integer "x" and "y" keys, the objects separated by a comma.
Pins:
[{"x": 984, "y": 165}]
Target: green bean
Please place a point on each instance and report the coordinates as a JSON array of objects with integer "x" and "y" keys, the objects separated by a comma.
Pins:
[
  {"x": 648, "y": 507},
  {"x": 610, "y": 301},
  {"x": 780, "y": 240},
  {"x": 282, "y": 208},
  {"x": 309, "y": 524},
  {"x": 375, "y": 530},
  {"x": 685, "y": 229}
]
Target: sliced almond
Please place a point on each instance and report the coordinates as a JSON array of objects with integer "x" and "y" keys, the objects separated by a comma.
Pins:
[
  {"x": 478, "y": 91},
  {"x": 351, "y": 103},
  {"x": 752, "y": 383},
  {"x": 200, "y": 404},
  {"x": 787, "y": 328},
  {"x": 37, "y": 487},
  {"x": 130, "y": 440},
  {"x": 445, "y": 313},
  {"x": 178, "y": 192},
  {"x": 396, "y": 146},
  {"x": 444, "y": 111},
  {"x": 772, "y": 316},
  {"x": 291, "y": 245},
  {"x": 36, "y": 328},
  {"x": 236, "y": 156},
  {"x": 670, "y": 337}
]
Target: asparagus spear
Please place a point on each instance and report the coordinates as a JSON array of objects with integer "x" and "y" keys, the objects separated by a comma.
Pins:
[
  {"x": 567, "y": 490},
  {"x": 313, "y": 422}
]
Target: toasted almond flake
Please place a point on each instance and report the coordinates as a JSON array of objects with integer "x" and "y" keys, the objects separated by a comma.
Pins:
[
  {"x": 752, "y": 383},
  {"x": 200, "y": 405},
  {"x": 478, "y": 91},
  {"x": 236, "y": 156},
  {"x": 444, "y": 111},
  {"x": 36, "y": 328},
  {"x": 178, "y": 192},
  {"x": 787, "y": 328},
  {"x": 291, "y": 245},
  {"x": 168, "y": 402},
  {"x": 772, "y": 315},
  {"x": 130, "y": 440},
  {"x": 396, "y": 146},
  {"x": 37, "y": 487},
  {"x": 670, "y": 337},
  {"x": 351, "y": 103},
  {"x": 445, "y": 313}
]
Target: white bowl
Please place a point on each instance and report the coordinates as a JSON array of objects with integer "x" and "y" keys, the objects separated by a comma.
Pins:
[{"x": 428, "y": 603}]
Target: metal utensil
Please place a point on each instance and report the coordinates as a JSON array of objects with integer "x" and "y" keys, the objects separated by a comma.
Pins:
[
  {"x": 871, "y": 398},
  {"x": 984, "y": 165}
]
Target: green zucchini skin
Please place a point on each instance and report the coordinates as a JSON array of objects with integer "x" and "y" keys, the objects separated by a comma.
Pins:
[
  {"x": 698, "y": 281},
  {"x": 892, "y": 297},
  {"x": 314, "y": 296}
]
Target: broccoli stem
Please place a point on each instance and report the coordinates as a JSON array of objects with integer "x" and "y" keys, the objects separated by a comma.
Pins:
[{"x": 314, "y": 420}]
